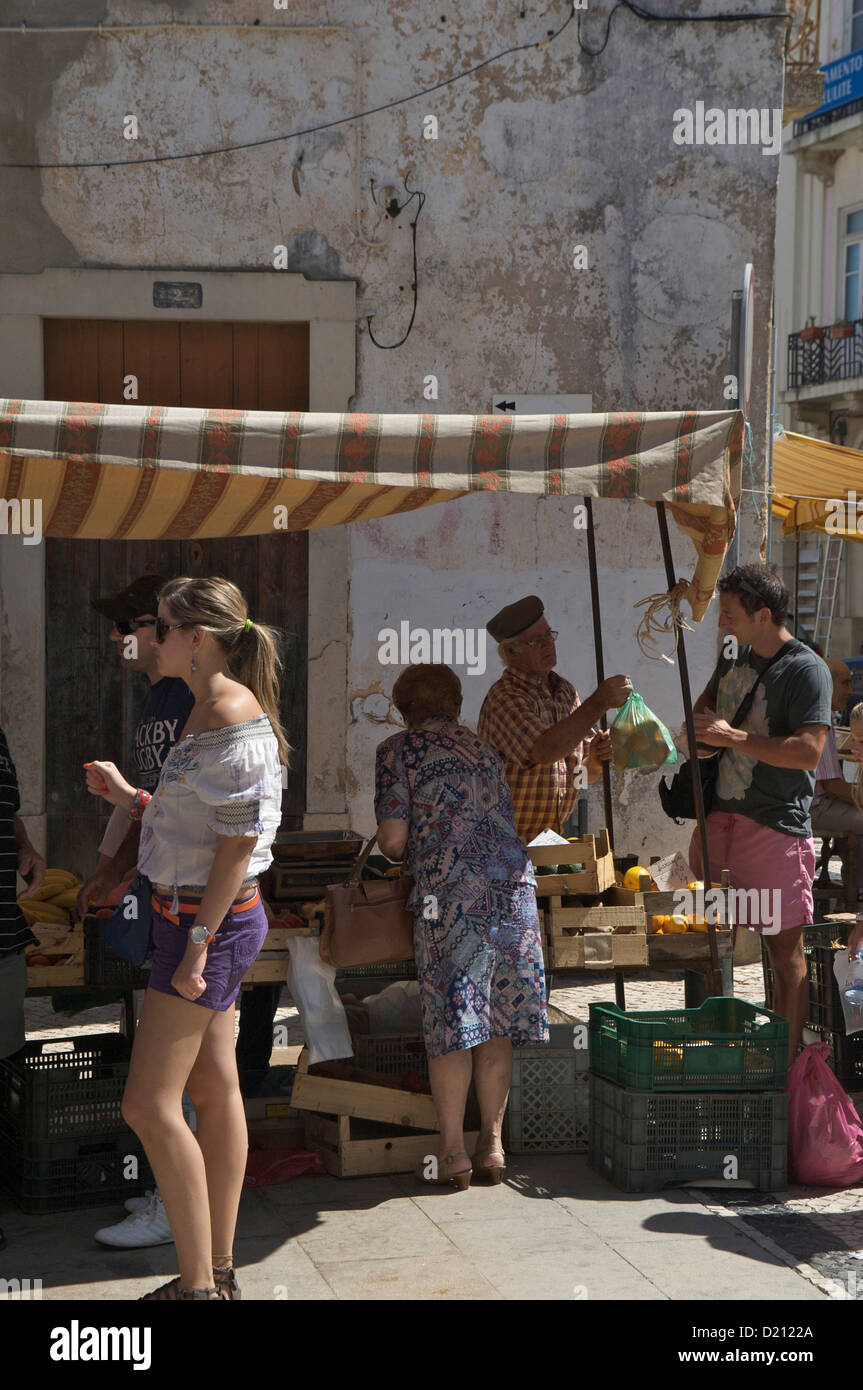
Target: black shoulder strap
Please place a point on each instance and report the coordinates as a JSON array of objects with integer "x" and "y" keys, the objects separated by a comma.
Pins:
[{"x": 746, "y": 703}]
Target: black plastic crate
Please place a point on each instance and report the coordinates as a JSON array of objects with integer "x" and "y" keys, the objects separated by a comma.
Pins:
[
  {"x": 846, "y": 1056},
  {"x": 64, "y": 1088},
  {"x": 102, "y": 966},
  {"x": 68, "y": 1174},
  {"x": 642, "y": 1141},
  {"x": 825, "y": 1005}
]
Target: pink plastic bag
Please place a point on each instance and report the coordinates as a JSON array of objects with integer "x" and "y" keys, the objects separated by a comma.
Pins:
[{"x": 825, "y": 1136}]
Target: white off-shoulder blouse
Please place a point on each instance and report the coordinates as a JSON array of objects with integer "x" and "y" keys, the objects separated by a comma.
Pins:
[{"x": 221, "y": 782}]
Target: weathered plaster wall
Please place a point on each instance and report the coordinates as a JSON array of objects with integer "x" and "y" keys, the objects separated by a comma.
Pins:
[{"x": 537, "y": 153}]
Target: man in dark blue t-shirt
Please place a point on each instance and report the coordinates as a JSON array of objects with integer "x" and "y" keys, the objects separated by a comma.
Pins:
[{"x": 165, "y": 711}]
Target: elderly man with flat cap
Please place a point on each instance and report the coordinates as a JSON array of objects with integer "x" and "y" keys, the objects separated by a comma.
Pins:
[{"x": 538, "y": 725}]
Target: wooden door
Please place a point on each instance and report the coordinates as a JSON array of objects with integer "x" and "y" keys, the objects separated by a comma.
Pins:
[{"x": 91, "y": 703}]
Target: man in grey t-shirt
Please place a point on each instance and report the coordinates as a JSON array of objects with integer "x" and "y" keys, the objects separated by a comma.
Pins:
[{"x": 759, "y": 827}]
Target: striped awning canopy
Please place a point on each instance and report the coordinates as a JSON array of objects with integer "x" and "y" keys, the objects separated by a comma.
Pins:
[
  {"x": 126, "y": 472},
  {"x": 815, "y": 486}
]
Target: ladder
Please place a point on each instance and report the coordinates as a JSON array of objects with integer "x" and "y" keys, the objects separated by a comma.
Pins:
[{"x": 828, "y": 589}]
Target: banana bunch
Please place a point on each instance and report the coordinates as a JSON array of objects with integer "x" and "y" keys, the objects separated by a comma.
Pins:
[{"x": 54, "y": 901}]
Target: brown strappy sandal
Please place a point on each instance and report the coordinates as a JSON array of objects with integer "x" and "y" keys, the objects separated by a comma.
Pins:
[{"x": 226, "y": 1283}]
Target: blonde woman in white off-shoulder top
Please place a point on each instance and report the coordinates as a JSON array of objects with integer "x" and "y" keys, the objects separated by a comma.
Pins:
[{"x": 205, "y": 837}]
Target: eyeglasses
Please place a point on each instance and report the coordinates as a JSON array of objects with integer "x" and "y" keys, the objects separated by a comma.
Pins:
[
  {"x": 749, "y": 589},
  {"x": 163, "y": 628},
  {"x": 542, "y": 641},
  {"x": 125, "y": 626}
]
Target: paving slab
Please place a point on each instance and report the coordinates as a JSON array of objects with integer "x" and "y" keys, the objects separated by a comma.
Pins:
[
  {"x": 448, "y": 1275},
  {"x": 630, "y": 1215},
  {"x": 732, "y": 1267},
  {"x": 391, "y": 1231}
]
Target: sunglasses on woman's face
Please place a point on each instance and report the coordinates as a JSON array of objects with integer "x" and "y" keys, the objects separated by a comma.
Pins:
[
  {"x": 128, "y": 625},
  {"x": 163, "y": 628}
]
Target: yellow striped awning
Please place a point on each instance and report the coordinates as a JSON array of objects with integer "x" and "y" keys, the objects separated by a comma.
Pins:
[
  {"x": 810, "y": 477},
  {"x": 126, "y": 472}
]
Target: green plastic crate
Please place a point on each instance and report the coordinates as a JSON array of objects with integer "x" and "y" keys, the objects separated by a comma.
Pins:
[
  {"x": 723, "y": 1045},
  {"x": 825, "y": 1006},
  {"x": 643, "y": 1143},
  {"x": 548, "y": 1098}
]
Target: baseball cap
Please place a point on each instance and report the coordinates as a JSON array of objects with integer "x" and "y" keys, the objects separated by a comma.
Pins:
[{"x": 141, "y": 596}]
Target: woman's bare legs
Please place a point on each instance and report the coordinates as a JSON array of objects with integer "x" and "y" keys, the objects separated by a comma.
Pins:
[
  {"x": 492, "y": 1075},
  {"x": 167, "y": 1042},
  {"x": 214, "y": 1089},
  {"x": 450, "y": 1081}
]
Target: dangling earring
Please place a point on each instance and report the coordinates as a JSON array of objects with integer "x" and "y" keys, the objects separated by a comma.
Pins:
[{"x": 194, "y": 667}]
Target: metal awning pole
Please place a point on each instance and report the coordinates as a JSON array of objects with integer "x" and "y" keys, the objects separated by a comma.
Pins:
[
  {"x": 600, "y": 661},
  {"x": 619, "y": 986},
  {"x": 693, "y": 750},
  {"x": 797, "y": 628}
]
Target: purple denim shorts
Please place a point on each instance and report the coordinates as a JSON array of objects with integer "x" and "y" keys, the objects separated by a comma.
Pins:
[{"x": 237, "y": 943}]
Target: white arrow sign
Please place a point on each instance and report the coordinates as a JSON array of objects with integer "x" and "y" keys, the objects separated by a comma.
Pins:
[{"x": 509, "y": 403}]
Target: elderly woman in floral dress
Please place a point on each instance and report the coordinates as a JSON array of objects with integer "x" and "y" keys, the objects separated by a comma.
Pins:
[{"x": 442, "y": 801}]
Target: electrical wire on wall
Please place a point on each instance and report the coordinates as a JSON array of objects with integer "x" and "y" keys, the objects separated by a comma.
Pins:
[
  {"x": 401, "y": 101},
  {"x": 394, "y": 212}
]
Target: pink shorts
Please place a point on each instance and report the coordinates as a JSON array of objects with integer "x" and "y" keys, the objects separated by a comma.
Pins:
[{"x": 779, "y": 867}]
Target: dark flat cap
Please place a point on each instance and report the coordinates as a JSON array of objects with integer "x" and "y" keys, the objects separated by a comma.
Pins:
[
  {"x": 515, "y": 618},
  {"x": 137, "y": 598}
]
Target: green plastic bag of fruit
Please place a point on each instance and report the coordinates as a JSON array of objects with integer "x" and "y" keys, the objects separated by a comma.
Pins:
[{"x": 639, "y": 739}]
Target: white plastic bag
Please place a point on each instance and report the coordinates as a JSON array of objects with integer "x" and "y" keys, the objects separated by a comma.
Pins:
[
  {"x": 853, "y": 1012},
  {"x": 396, "y": 1009},
  {"x": 311, "y": 982}
]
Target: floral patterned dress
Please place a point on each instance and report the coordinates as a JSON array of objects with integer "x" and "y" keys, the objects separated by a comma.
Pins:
[{"x": 476, "y": 929}]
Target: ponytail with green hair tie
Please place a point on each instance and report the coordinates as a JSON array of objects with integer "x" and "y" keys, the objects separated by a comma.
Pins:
[{"x": 249, "y": 625}]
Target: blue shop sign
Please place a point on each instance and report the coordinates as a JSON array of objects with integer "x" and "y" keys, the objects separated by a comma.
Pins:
[{"x": 843, "y": 81}]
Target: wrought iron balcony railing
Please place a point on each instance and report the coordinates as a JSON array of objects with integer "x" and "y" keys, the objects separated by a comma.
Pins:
[
  {"x": 801, "y": 54},
  {"x": 815, "y": 357}
]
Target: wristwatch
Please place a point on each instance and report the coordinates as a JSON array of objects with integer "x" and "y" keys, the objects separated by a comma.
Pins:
[{"x": 201, "y": 935}]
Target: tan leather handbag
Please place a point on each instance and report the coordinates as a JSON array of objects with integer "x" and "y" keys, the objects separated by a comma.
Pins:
[{"x": 366, "y": 921}]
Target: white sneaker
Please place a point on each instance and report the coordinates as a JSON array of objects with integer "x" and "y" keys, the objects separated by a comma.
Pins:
[
  {"x": 147, "y": 1227},
  {"x": 138, "y": 1203}
]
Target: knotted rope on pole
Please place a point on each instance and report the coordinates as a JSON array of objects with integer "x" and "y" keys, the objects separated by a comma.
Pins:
[{"x": 652, "y": 625}]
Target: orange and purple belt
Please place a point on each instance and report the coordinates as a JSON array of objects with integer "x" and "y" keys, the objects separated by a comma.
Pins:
[{"x": 186, "y": 907}]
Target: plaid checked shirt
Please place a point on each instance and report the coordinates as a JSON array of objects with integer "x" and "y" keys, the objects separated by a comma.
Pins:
[{"x": 517, "y": 709}]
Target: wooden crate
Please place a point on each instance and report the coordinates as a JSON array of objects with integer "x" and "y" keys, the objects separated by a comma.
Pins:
[
  {"x": 60, "y": 942},
  {"x": 687, "y": 948},
  {"x": 593, "y": 851},
  {"x": 384, "y": 1104},
  {"x": 271, "y": 966},
  {"x": 565, "y": 921},
  {"x": 356, "y": 1148},
  {"x": 598, "y": 951},
  {"x": 594, "y": 938}
]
